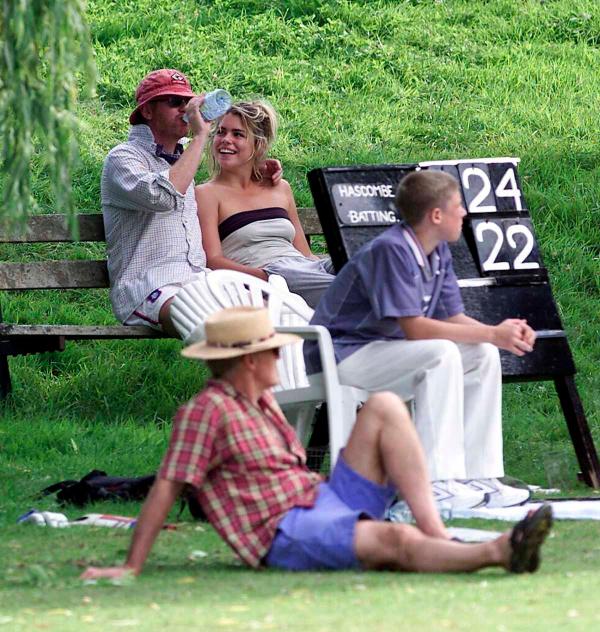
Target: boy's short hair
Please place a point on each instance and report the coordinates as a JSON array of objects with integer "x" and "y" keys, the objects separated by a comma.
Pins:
[{"x": 421, "y": 191}]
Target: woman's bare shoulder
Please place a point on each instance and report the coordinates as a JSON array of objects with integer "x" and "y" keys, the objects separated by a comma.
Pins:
[
  {"x": 283, "y": 186},
  {"x": 208, "y": 187},
  {"x": 211, "y": 192}
]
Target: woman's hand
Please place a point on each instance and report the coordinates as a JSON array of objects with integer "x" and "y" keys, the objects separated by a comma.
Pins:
[{"x": 272, "y": 172}]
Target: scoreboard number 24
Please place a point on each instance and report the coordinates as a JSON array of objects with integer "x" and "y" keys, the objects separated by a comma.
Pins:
[{"x": 501, "y": 227}]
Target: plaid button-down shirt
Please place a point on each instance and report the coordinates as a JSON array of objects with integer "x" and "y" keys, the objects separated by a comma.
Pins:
[
  {"x": 246, "y": 462},
  {"x": 152, "y": 231}
]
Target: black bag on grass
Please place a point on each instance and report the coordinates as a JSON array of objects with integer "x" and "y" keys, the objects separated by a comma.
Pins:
[{"x": 97, "y": 486}]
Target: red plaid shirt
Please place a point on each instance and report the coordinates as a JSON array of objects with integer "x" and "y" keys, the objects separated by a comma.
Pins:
[{"x": 246, "y": 462}]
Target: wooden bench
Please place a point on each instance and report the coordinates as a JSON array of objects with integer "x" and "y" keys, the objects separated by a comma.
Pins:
[{"x": 68, "y": 274}]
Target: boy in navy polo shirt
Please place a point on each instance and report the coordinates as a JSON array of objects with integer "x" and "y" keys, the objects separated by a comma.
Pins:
[{"x": 397, "y": 322}]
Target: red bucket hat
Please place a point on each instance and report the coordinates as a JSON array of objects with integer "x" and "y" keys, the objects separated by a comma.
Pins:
[{"x": 158, "y": 83}]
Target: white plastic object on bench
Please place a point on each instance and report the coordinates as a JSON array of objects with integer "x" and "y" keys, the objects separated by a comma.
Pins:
[{"x": 297, "y": 394}]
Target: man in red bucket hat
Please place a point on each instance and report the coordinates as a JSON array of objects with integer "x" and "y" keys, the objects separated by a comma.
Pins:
[{"x": 152, "y": 231}]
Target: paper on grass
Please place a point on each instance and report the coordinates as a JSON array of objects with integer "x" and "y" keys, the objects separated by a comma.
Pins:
[
  {"x": 473, "y": 535},
  {"x": 562, "y": 510}
]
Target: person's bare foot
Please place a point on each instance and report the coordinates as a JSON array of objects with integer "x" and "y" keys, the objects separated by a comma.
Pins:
[{"x": 502, "y": 550}]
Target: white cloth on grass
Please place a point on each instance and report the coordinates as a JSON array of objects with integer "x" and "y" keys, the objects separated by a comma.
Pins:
[{"x": 562, "y": 510}]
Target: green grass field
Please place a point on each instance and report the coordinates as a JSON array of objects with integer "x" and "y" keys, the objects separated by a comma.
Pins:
[{"x": 354, "y": 82}]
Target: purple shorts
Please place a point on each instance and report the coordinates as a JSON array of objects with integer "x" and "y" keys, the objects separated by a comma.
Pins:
[{"x": 322, "y": 536}]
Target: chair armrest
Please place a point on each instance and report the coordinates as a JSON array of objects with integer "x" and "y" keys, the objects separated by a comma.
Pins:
[
  {"x": 323, "y": 337},
  {"x": 341, "y": 411}
]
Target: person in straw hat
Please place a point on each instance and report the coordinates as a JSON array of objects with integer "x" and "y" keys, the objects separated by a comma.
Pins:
[{"x": 232, "y": 444}]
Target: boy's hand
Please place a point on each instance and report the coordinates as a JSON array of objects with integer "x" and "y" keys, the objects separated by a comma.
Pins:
[
  {"x": 528, "y": 333},
  {"x": 514, "y": 335}
]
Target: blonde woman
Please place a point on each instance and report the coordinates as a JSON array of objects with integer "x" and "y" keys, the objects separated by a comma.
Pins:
[{"x": 248, "y": 223}]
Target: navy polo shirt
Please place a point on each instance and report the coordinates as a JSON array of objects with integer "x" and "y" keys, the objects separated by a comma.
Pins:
[{"x": 388, "y": 278}]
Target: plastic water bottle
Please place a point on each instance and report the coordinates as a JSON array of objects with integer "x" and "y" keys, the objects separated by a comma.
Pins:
[
  {"x": 400, "y": 512},
  {"x": 216, "y": 103}
]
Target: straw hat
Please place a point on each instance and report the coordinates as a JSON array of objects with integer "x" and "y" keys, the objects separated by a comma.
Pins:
[{"x": 237, "y": 331}]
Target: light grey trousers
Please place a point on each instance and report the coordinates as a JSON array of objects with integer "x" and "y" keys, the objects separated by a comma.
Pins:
[
  {"x": 457, "y": 392},
  {"x": 307, "y": 277}
]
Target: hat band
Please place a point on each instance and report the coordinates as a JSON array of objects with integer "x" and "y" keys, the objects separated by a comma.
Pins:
[{"x": 236, "y": 345}]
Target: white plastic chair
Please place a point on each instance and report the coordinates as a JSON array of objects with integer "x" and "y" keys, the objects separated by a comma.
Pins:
[{"x": 297, "y": 394}]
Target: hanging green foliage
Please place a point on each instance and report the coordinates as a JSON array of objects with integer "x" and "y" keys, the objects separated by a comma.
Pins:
[{"x": 45, "y": 53}]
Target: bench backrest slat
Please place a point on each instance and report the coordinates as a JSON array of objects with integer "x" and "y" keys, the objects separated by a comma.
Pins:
[
  {"x": 50, "y": 275},
  {"x": 310, "y": 221},
  {"x": 55, "y": 228},
  {"x": 52, "y": 228}
]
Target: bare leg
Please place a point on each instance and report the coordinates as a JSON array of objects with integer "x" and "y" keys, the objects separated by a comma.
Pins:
[
  {"x": 386, "y": 545},
  {"x": 164, "y": 318},
  {"x": 384, "y": 445}
]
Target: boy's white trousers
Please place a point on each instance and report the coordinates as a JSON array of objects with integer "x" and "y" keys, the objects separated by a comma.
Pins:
[{"x": 457, "y": 393}]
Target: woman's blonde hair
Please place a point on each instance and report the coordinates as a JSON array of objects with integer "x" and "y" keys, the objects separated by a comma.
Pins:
[{"x": 260, "y": 121}]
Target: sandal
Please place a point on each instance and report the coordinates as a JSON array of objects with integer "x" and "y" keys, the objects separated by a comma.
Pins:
[{"x": 526, "y": 539}]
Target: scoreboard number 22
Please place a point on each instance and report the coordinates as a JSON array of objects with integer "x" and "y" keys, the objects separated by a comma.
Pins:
[{"x": 505, "y": 244}]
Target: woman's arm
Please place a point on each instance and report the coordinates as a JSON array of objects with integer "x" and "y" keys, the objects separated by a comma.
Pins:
[
  {"x": 299, "y": 242},
  {"x": 208, "y": 215}
]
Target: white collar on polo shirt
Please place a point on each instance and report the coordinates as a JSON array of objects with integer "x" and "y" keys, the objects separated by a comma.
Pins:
[{"x": 429, "y": 266}]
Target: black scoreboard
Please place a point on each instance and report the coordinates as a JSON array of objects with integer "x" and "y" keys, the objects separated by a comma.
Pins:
[{"x": 497, "y": 261}]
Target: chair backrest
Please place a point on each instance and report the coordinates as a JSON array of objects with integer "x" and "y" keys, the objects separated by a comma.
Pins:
[
  {"x": 231, "y": 288},
  {"x": 237, "y": 288},
  {"x": 285, "y": 309},
  {"x": 219, "y": 289}
]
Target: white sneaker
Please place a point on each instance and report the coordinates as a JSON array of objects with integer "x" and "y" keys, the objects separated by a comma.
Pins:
[
  {"x": 499, "y": 494},
  {"x": 451, "y": 494}
]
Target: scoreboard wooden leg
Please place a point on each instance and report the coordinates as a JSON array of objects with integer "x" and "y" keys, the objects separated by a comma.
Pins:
[
  {"x": 578, "y": 429},
  {"x": 5, "y": 383}
]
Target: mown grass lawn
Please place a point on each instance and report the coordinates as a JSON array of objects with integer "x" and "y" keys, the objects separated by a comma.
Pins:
[
  {"x": 355, "y": 82},
  {"x": 213, "y": 592}
]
